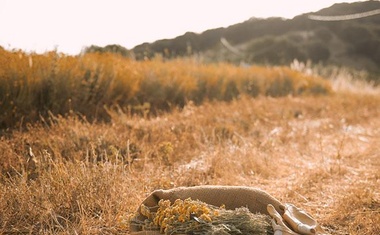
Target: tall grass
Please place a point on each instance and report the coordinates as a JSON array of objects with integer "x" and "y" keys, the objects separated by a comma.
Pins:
[
  {"x": 67, "y": 175},
  {"x": 32, "y": 85},
  {"x": 319, "y": 153}
]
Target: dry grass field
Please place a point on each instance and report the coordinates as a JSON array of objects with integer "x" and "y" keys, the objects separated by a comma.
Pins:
[
  {"x": 320, "y": 153},
  {"x": 67, "y": 175}
]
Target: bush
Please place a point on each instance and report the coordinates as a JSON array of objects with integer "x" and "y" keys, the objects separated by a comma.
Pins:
[
  {"x": 324, "y": 34},
  {"x": 116, "y": 49},
  {"x": 317, "y": 52},
  {"x": 275, "y": 51},
  {"x": 35, "y": 85},
  {"x": 354, "y": 34}
]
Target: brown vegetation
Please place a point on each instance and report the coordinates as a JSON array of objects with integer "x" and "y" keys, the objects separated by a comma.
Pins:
[
  {"x": 33, "y": 85},
  {"x": 319, "y": 153},
  {"x": 67, "y": 175}
]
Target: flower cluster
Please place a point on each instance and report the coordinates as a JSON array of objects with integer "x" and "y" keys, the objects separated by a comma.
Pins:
[
  {"x": 198, "y": 218},
  {"x": 188, "y": 211}
]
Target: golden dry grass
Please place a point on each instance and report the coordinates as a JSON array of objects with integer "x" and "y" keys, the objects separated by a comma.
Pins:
[
  {"x": 31, "y": 85},
  {"x": 67, "y": 175},
  {"x": 319, "y": 153}
]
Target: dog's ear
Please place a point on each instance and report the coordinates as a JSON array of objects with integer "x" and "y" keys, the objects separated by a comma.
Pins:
[
  {"x": 157, "y": 196},
  {"x": 153, "y": 199}
]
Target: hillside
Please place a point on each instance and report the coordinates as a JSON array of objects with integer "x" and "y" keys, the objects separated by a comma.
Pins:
[{"x": 352, "y": 43}]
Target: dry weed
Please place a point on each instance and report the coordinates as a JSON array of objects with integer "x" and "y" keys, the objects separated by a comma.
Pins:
[{"x": 319, "y": 153}]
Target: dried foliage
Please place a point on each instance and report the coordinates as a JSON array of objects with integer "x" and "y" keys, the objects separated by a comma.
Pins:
[
  {"x": 319, "y": 153},
  {"x": 32, "y": 85},
  {"x": 196, "y": 217},
  {"x": 66, "y": 175}
]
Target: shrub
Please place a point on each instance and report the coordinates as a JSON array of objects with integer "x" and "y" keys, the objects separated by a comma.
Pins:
[{"x": 33, "y": 85}]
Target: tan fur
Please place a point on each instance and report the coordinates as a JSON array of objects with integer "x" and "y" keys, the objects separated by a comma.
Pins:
[{"x": 232, "y": 197}]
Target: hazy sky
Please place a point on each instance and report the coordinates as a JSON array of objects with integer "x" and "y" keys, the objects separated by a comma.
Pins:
[{"x": 70, "y": 25}]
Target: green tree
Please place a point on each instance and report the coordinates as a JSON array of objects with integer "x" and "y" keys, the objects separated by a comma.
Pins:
[
  {"x": 116, "y": 49},
  {"x": 317, "y": 51}
]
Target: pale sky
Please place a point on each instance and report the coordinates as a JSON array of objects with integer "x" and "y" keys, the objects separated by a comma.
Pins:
[{"x": 70, "y": 25}]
